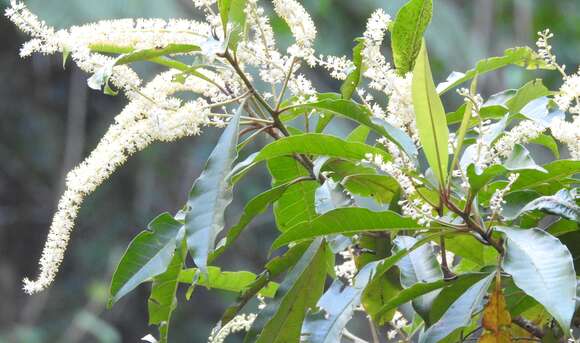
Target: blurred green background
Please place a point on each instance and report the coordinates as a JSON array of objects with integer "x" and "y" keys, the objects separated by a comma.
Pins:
[{"x": 49, "y": 120}]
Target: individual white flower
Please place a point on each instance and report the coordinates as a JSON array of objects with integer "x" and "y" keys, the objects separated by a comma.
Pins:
[
  {"x": 241, "y": 322},
  {"x": 411, "y": 204}
]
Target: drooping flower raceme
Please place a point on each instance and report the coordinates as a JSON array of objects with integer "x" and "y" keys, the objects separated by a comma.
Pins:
[
  {"x": 154, "y": 113},
  {"x": 155, "y": 116}
]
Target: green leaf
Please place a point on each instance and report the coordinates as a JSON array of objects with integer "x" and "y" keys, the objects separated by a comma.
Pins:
[
  {"x": 312, "y": 144},
  {"x": 162, "y": 300},
  {"x": 274, "y": 267},
  {"x": 530, "y": 91},
  {"x": 469, "y": 248},
  {"x": 148, "y": 255},
  {"x": 459, "y": 313},
  {"x": 226, "y": 281},
  {"x": 420, "y": 289},
  {"x": 450, "y": 294},
  {"x": 148, "y": 54},
  {"x": 520, "y": 160},
  {"x": 549, "y": 142},
  {"x": 297, "y": 203},
  {"x": 224, "y": 8},
  {"x": 353, "y": 79},
  {"x": 359, "y": 135},
  {"x": 232, "y": 11},
  {"x": 467, "y": 115},
  {"x": 520, "y": 56},
  {"x": 561, "y": 204},
  {"x": 210, "y": 195},
  {"x": 335, "y": 309},
  {"x": 253, "y": 208},
  {"x": 346, "y": 220},
  {"x": 384, "y": 265},
  {"x": 543, "y": 268},
  {"x": 419, "y": 266},
  {"x": 382, "y": 188},
  {"x": 407, "y": 33},
  {"x": 282, "y": 318},
  {"x": 362, "y": 115},
  {"x": 431, "y": 118},
  {"x": 317, "y": 144},
  {"x": 557, "y": 172}
]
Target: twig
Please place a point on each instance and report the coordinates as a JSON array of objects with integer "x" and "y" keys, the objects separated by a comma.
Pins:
[{"x": 528, "y": 326}]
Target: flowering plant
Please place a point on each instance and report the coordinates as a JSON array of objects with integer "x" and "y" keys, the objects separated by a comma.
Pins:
[{"x": 433, "y": 217}]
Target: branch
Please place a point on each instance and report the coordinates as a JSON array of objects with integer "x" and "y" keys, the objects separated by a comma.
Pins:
[{"x": 528, "y": 326}]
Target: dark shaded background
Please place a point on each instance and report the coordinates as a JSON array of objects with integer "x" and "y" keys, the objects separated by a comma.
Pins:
[{"x": 49, "y": 121}]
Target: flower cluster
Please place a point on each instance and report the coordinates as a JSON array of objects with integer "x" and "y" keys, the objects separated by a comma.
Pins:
[
  {"x": 412, "y": 205},
  {"x": 567, "y": 97},
  {"x": 241, "y": 322},
  {"x": 385, "y": 79},
  {"x": 522, "y": 133},
  {"x": 497, "y": 199},
  {"x": 545, "y": 49},
  {"x": 568, "y": 133},
  {"x": 155, "y": 116}
]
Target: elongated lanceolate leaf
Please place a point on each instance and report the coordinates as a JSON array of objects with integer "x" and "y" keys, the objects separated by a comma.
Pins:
[
  {"x": 543, "y": 268},
  {"x": 224, "y": 280},
  {"x": 281, "y": 320},
  {"x": 346, "y": 220},
  {"x": 335, "y": 309},
  {"x": 147, "y": 256},
  {"x": 430, "y": 117},
  {"x": 407, "y": 33},
  {"x": 317, "y": 144},
  {"x": 459, "y": 314},
  {"x": 210, "y": 195},
  {"x": 362, "y": 115}
]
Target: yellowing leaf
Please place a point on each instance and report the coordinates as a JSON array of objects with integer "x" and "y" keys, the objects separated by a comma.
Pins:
[{"x": 496, "y": 318}]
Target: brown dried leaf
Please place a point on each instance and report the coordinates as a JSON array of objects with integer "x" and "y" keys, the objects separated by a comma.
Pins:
[{"x": 496, "y": 318}]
